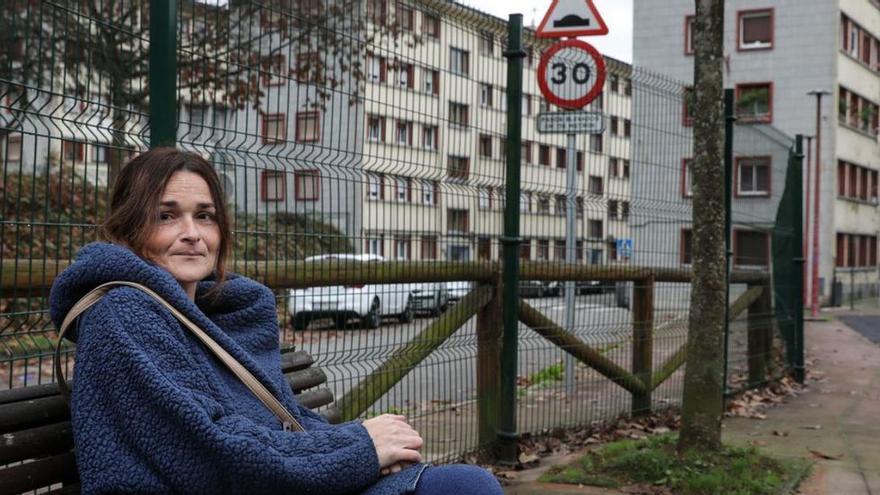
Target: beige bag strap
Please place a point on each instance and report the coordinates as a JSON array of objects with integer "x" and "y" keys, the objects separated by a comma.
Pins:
[{"x": 249, "y": 380}]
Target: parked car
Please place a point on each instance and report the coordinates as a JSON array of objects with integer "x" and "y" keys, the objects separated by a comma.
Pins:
[
  {"x": 369, "y": 303},
  {"x": 431, "y": 298},
  {"x": 458, "y": 289}
]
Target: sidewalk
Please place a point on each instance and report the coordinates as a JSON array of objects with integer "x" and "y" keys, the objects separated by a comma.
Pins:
[{"x": 835, "y": 421}]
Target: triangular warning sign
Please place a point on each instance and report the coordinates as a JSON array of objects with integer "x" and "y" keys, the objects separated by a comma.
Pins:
[{"x": 571, "y": 18}]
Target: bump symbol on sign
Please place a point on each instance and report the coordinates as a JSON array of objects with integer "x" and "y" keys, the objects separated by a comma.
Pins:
[{"x": 569, "y": 18}]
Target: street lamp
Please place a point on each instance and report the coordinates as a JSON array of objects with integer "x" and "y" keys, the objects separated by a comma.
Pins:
[
  {"x": 806, "y": 246},
  {"x": 814, "y": 306}
]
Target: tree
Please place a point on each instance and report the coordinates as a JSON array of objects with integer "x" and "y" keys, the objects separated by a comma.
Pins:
[
  {"x": 703, "y": 401},
  {"x": 225, "y": 51}
]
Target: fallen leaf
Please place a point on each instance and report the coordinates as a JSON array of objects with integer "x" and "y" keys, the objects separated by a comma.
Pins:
[
  {"x": 511, "y": 475},
  {"x": 812, "y": 427},
  {"x": 780, "y": 433},
  {"x": 528, "y": 458},
  {"x": 822, "y": 455}
]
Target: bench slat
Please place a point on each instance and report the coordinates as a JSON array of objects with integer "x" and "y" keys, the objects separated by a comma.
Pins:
[
  {"x": 296, "y": 360},
  {"x": 36, "y": 442},
  {"x": 28, "y": 393},
  {"x": 314, "y": 399},
  {"x": 307, "y": 378},
  {"x": 31, "y": 413},
  {"x": 44, "y": 472}
]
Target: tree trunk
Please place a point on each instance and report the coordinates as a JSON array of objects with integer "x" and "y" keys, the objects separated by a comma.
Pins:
[{"x": 703, "y": 383}]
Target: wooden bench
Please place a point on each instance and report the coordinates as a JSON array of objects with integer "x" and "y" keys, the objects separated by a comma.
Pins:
[{"x": 36, "y": 441}]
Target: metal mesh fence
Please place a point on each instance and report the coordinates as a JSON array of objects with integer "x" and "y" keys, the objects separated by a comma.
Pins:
[{"x": 348, "y": 133}]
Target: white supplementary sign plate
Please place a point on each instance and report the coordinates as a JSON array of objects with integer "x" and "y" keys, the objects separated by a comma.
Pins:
[
  {"x": 569, "y": 18},
  {"x": 571, "y": 122}
]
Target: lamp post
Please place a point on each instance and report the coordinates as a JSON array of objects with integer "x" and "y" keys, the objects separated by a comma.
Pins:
[
  {"x": 817, "y": 171},
  {"x": 806, "y": 247}
]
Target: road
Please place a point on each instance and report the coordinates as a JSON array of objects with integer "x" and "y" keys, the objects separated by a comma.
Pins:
[{"x": 448, "y": 375}]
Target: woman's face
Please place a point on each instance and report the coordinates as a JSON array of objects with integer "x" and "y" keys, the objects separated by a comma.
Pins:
[{"x": 186, "y": 238}]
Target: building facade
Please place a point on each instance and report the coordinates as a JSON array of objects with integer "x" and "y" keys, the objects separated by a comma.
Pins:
[{"x": 778, "y": 53}]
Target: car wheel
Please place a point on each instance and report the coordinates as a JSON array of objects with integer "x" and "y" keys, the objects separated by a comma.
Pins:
[
  {"x": 373, "y": 318},
  {"x": 300, "y": 322},
  {"x": 408, "y": 314}
]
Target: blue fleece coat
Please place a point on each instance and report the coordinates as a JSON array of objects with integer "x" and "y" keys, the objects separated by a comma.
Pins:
[{"x": 154, "y": 412}]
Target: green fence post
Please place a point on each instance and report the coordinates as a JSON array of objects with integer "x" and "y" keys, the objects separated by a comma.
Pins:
[
  {"x": 163, "y": 73},
  {"x": 507, "y": 436},
  {"x": 797, "y": 228}
]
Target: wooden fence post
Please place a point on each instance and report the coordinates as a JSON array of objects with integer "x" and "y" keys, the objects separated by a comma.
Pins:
[
  {"x": 760, "y": 337},
  {"x": 643, "y": 342},
  {"x": 490, "y": 327}
]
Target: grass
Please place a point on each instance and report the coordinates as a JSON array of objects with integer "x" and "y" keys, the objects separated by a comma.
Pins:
[{"x": 653, "y": 461}]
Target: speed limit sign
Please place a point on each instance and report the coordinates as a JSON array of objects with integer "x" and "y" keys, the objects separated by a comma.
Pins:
[{"x": 571, "y": 74}]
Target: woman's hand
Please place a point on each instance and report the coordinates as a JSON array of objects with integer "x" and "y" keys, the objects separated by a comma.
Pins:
[{"x": 396, "y": 442}]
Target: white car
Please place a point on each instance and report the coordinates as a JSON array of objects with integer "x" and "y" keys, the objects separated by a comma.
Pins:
[
  {"x": 369, "y": 303},
  {"x": 431, "y": 298}
]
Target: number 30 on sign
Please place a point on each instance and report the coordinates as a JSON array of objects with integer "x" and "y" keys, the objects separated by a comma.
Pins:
[{"x": 571, "y": 74}]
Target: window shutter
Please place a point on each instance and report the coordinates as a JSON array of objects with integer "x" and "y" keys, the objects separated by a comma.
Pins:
[
  {"x": 382, "y": 128},
  {"x": 382, "y": 69},
  {"x": 436, "y": 192},
  {"x": 435, "y": 76},
  {"x": 381, "y": 187},
  {"x": 408, "y": 190},
  {"x": 756, "y": 29},
  {"x": 409, "y": 133}
]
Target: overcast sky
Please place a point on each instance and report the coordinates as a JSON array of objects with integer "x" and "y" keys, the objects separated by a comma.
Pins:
[{"x": 617, "y": 14}]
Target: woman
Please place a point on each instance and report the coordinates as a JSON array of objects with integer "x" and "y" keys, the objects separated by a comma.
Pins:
[{"x": 153, "y": 411}]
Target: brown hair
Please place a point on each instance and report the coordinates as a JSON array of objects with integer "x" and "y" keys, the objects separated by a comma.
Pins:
[{"x": 134, "y": 204}]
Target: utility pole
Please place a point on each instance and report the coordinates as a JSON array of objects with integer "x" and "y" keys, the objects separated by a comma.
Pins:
[{"x": 817, "y": 171}]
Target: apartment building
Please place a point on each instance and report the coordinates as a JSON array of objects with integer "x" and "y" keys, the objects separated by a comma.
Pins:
[
  {"x": 776, "y": 52},
  {"x": 435, "y": 139}
]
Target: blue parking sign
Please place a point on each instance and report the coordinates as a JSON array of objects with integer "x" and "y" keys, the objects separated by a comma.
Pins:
[{"x": 624, "y": 249}]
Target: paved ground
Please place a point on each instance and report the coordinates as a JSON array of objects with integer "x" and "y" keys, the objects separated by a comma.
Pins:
[{"x": 838, "y": 415}]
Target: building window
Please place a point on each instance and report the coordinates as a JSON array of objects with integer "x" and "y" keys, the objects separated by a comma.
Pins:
[
  {"x": 526, "y": 152},
  {"x": 308, "y": 64},
  {"x": 689, "y": 34},
  {"x": 402, "y": 189},
  {"x": 307, "y": 185},
  {"x": 458, "y": 114},
  {"x": 612, "y": 125},
  {"x": 544, "y": 155},
  {"x": 484, "y": 198},
  {"x": 376, "y": 128},
  {"x": 525, "y": 202},
  {"x": 402, "y": 248},
  {"x": 376, "y": 68},
  {"x": 375, "y": 186},
  {"x": 614, "y": 83},
  {"x": 560, "y": 158},
  {"x": 594, "y": 229},
  {"x": 687, "y": 179},
  {"x": 487, "y": 43},
  {"x": 429, "y": 137},
  {"x": 856, "y": 182},
  {"x": 754, "y": 102},
  {"x": 755, "y": 29},
  {"x": 405, "y": 75},
  {"x": 561, "y": 204},
  {"x": 376, "y": 9},
  {"x": 274, "y": 128},
  {"x": 597, "y": 185},
  {"x": 624, "y": 210},
  {"x": 627, "y": 128},
  {"x": 613, "y": 167},
  {"x": 525, "y": 249},
  {"x": 596, "y": 143},
  {"x": 527, "y": 105},
  {"x": 858, "y": 112},
  {"x": 13, "y": 148},
  {"x": 457, "y": 168},
  {"x": 308, "y": 127},
  {"x": 579, "y": 161},
  {"x": 751, "y": 248},
  {"x": 273, "y": 185},
  {"x": 543, "y": 252},
  {"x": 579, "y": 207},
  {"x": 457, "y": 221},
  {"x": 403, "y": 133},
  {"x": 753, "y": 176},
  {"x": 430, "y": 25},
  {"x": 625, "y": 169},
  {"x": 458, "y": 61},
  {"x": 429, "y": 192},
  {"x": 485, "y": 95},
  {"x": 405, "y": 17},
  {"x": 429, "y": 248},
  {"x": 686, "y": 247},
  {"x": 856, "y": 251},
  {"x": 688, "y": 104},
  {"x": 612, "y": 209},
  {"x": 376, "y": 245},
  {"x": 431, "y": 83},
  {"x": 72, "y": 151},
  {"x": 485, "y": 146},
  {"x": 543, "y": 204}
]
